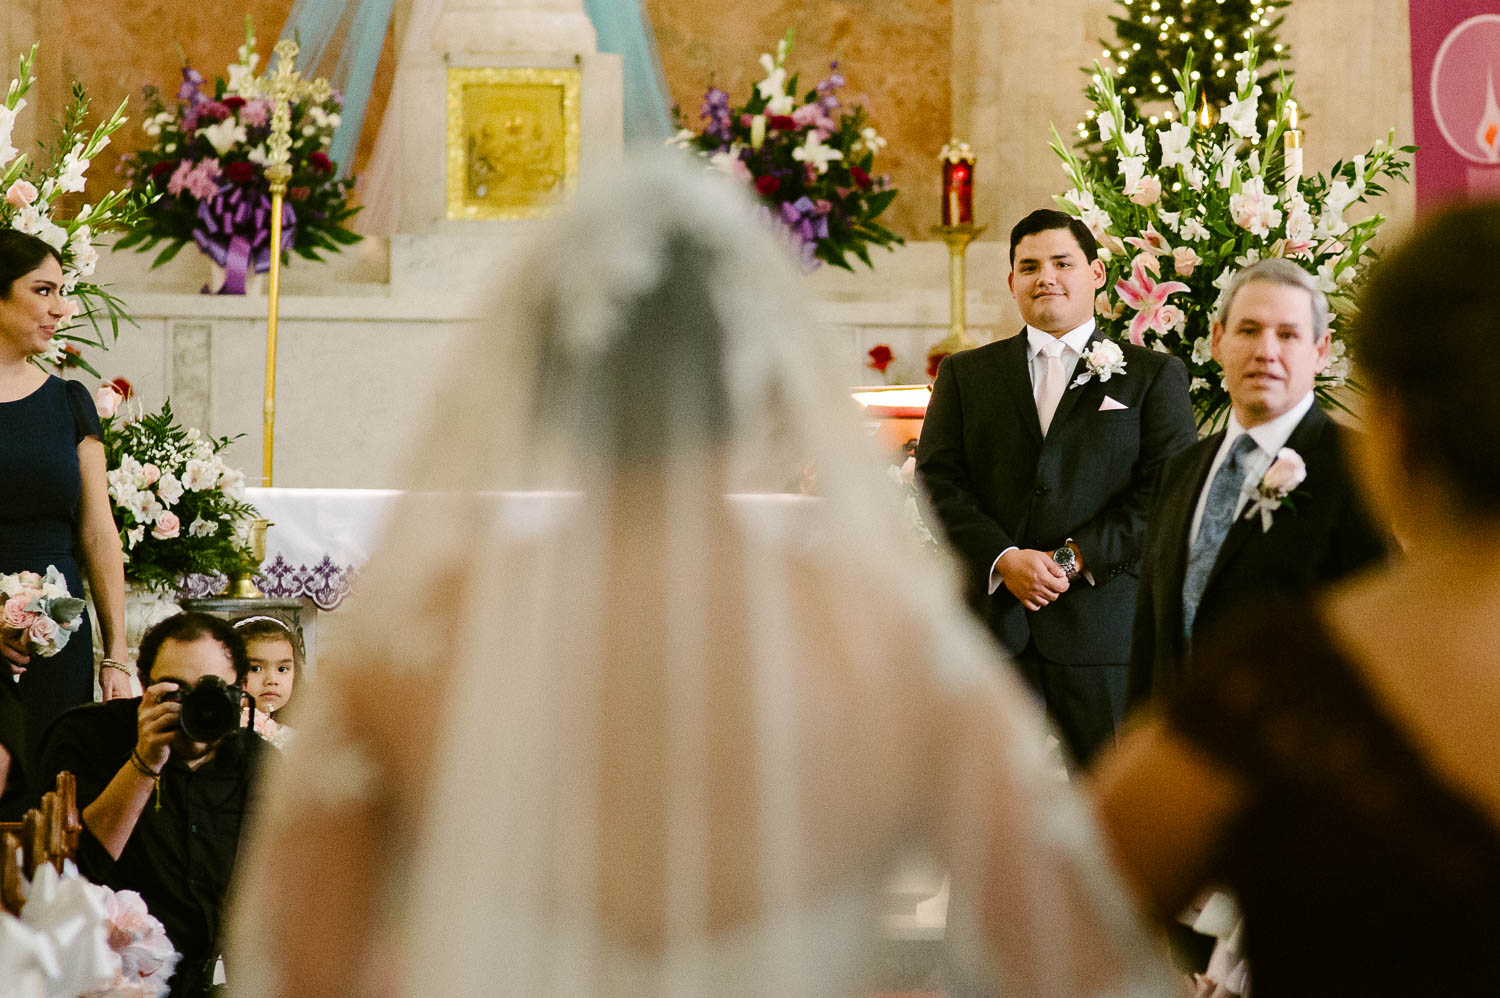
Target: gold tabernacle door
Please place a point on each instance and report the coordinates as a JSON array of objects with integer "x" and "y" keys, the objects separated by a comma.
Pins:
[{"x": 512, "y": 140}]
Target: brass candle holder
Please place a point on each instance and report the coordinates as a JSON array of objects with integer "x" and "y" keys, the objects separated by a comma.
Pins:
[
  {"x": 958, "y": 238},
  {"x": 242, "y": 583}
]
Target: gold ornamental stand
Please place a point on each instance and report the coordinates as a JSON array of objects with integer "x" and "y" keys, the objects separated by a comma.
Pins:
[
  {"x": 280, "y": 87},
  {"x": 958, "y": 238}
]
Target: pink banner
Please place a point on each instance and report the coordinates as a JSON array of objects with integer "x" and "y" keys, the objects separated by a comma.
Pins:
[{"x": 1455, "y": 79}]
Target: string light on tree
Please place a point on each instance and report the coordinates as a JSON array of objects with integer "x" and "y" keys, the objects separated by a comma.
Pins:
[{"x": 1154, "y": 38}]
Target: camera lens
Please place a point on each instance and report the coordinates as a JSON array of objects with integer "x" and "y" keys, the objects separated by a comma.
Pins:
[{"x": 210, "y": 710}]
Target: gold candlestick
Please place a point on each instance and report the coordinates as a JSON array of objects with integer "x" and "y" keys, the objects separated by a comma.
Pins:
[
  {"x": 958, "y": 238},
  {"x": 280, "y": 87}
]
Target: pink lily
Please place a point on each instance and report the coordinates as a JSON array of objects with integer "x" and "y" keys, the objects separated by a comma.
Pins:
[
  {"x": 1147, "y": 297},
  {"x": 1151, "y": 241}
]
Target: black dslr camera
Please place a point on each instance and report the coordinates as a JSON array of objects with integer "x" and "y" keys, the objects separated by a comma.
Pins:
[{"x": 210, "y": 709}]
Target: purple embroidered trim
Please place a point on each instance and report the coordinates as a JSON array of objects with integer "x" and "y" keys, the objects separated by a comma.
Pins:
[{"x": 325, "y": 583}]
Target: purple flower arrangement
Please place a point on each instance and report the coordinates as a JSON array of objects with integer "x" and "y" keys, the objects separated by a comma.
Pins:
[
  {"x": 809, "y": 160},
  {"x": 205, "y": 174}
]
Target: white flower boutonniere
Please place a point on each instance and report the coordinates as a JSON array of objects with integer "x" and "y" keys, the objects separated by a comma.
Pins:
[
  {"x": 1103, "y": 360},
  {"x": 1276, "y": 485}
]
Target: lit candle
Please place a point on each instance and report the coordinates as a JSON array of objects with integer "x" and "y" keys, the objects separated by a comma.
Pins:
[
  {"x": 1205, "y": 113},
  {"x": 1292, "y": 148},
  {"x": 958, "y": 184}
]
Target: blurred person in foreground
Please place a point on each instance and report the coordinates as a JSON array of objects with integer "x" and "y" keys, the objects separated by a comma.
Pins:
[
  {"x": 1334, "y": 760},
  {"x": 637, "y": 735}
]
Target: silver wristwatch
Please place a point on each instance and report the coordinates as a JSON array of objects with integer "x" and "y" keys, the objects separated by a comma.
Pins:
[{"x": 1067, "y": 561}]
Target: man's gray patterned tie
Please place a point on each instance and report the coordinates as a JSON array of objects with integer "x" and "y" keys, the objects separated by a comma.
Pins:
[{"x": 1218, "y": 515}]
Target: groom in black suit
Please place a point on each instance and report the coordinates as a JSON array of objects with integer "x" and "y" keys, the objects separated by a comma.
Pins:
[
  {"x": 1040, "y": 453},
  {"x": 1217, "y": 537}
]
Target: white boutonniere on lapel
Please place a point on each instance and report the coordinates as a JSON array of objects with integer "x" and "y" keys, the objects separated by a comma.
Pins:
[
  {"x": 1276, "y": 486},
  {"x": 1103, "y": 360}
]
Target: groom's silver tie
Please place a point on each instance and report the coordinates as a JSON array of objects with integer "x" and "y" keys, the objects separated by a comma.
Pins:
[
  {"x": 1218, "y": 515},
  {"x": 1054, "y": 381}
]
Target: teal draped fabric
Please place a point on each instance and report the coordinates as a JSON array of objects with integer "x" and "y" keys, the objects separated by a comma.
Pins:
[
  {"x": 622, "y": 28},
  {"x": 341, "y": 39}
]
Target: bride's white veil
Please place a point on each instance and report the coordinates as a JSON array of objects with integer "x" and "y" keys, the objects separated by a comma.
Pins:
[{"x": 619, "y": 719}]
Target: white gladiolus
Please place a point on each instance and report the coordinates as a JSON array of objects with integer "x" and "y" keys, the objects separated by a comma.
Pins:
[
  {"x": 1176, "y": 145},
  {"x": 74, "y": 166},
  {"x": 7, "y": 123},
  {"x": 1239, "y": 115}
]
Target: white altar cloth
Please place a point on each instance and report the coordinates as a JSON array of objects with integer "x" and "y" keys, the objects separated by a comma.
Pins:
[{"x": 321, "y": 538}]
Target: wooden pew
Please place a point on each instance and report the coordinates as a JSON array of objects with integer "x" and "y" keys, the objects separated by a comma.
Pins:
[{"x": 46, "y": 834}]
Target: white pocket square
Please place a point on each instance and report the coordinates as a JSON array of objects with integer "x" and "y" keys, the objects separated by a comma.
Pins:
[{"x": 1110, "y": 405}]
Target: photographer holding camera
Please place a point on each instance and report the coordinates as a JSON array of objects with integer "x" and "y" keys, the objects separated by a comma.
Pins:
[{"x": 164, "y": 784}]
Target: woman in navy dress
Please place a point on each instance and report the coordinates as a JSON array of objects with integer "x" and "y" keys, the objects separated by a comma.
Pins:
[{"x": 54, "y": 510}]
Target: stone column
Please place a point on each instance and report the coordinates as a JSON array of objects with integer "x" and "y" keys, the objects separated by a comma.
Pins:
[{"x": 1014, "y": 74}]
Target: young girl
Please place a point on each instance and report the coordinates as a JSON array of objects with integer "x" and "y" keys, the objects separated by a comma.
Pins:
[{"x": 275, "y": 654}]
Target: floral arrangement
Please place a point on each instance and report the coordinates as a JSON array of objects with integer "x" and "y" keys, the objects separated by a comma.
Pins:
[
  {"x": 41, "y": 608},
  {"x": 179, "y": 508},
  {"x": 810, "y": 160},
  {"x": 74, "y": 937},
  {"x": 206, "y": 170},
  {"x": 1188, "y": 205},
  {"x": 36, "y": 201}
]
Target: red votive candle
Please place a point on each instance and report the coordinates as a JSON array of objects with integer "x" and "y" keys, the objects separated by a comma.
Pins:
[{"x": 958, "y": 184}]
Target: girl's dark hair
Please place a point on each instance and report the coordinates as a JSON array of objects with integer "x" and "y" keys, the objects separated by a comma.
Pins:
[
  {"x": 188, "y": 627},
  {"x": 20, "y": 254},
  {"x": 262, "y": 628},
  {"x": 1426, "y": 335}
]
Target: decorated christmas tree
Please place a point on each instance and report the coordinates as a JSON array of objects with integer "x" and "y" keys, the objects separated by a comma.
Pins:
[{"x": 1154, "y": 37}]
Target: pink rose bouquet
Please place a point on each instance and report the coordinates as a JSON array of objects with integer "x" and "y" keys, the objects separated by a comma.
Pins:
[{"x": 41, "y": 609}]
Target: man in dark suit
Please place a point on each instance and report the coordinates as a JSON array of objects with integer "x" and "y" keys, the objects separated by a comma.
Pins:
[
  {"x": 1219, "y": 536},
  {"x": 1040, "y": 453}
]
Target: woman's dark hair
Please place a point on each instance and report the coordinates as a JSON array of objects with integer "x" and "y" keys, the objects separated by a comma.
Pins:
[
  {"x": 1046, "y": 219},
  {"x": 20, "y": 254},
  {"x": 1426, "y": 335},
  {"x": 188, "y": 627}
]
